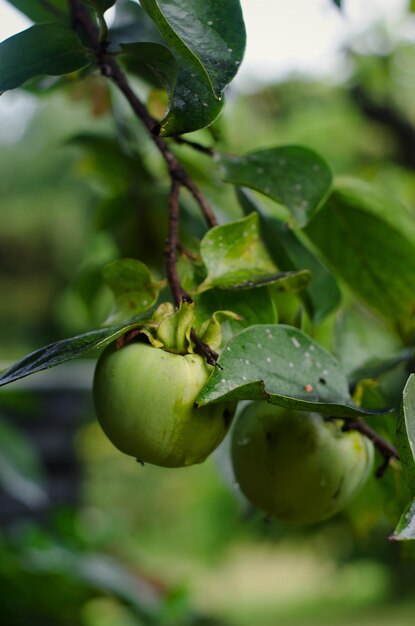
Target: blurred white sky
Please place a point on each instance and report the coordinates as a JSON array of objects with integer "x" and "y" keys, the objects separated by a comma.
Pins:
[{"x": 283, "y": 35}]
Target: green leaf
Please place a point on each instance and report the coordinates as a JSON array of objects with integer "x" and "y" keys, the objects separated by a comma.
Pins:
[
  {"x": 412, "y": 6},
  {"x": 236, "y": 258},
  {"x": 405, "y": 432},
  {"x": 405, "y": 530},
  {"x": 368, "y": 240},
  {"x": 284, "y": 366},
  {"x": 66, "y": 349},
  {"x": 191, "y": 103},
  {"x": 363, "y": 343},
  {"x": 21, "y": 474},
  {"x": 293, "y": 176},
  {"x": 52, "y": 10},
  {"x": 209, "y": 36},
  {"x": 52, "y": 49},
  {"x": 289, "y": 253},
  {"x": 133, "y": 287},
  {"x": 338, "y": 3}
]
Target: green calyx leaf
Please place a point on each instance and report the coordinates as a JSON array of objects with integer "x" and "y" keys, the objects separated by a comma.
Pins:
[
  {"x": 294, "y": 176},
  {"x": 236, "y": 258},
  {"x": 171, "y": 330},
  {"x": 133, "y": 287},
  {"x": 53, "y": 49},
  {"x": 208, "y": 36},
  {"x": 284, "y": 366}
]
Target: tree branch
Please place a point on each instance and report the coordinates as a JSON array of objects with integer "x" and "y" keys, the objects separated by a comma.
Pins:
[
  {"x": 385, "y": 448},
  {"x": 172, "y": 242},
  {"x": 82, "y": 21}
]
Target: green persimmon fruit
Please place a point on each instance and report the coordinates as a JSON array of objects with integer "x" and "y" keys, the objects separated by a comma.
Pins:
[
  {"x": 296, "y": 466},
  {"x": 145, "y": 402}
]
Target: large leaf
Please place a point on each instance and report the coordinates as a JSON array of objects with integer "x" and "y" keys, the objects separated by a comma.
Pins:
[
  {"x": 21, "y": 474},
  {"x": 368, "y": 240},
  {"x": 191, "y": 103},
  {"x": 133, "y": 286},
  {"x": 209, "y": 36},
  {"x": 52, "y": 49},
  {"x": 293, "y": 176},
  {"x": 405, "y": 432},
  {"x": 65, "y": 350},
  {"x": 236, "y": 258},
  {"x": 52, "y": 10},
  {"x": 289, "y": 253},
  {"x": 284, "y": 366}
]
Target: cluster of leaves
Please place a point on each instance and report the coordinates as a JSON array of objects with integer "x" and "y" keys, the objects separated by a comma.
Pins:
[{"x": 300, "y": 230}]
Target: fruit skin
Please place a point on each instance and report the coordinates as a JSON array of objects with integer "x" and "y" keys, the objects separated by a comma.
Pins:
[
  {"x": 295, "y": 466},
  {"x": 144, "y": 399}
]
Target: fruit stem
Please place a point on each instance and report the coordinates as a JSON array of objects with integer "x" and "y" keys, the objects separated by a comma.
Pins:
[{"x": 385, "y": 448}]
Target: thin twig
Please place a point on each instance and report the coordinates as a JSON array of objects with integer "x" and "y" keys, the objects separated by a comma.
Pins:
[
  {"x": 196, "y": 146},
  {"x": 385, "y": 448},
  {"x": 111, "y": 69},
  {"x": 178, "y": 293}
]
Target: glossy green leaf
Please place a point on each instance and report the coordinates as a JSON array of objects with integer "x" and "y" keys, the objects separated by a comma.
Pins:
[
  {"x": 368, "y": 240},
  {"x": 21, "y": 474},
  {"x": 236, "y": 258},
  {"x": 405, "y": 530},
  {"x": 282, "y": 365},
  {"x": 66, "y": 349},
  {"x": 52, "y": 10},
  {"x": 405, "y": 432},
  {"x": 191, "y": 103},
  {"x": 52, "y": 49},
  {"x": 293, "y": 176},
  {"x": 133, "y": 286},
  {"x": 209, "y": 36},
  {"x": 289, "y": 253}
]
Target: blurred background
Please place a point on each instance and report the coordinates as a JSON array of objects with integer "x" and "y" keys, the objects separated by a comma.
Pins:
[{"x": 89, "y": 537}]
